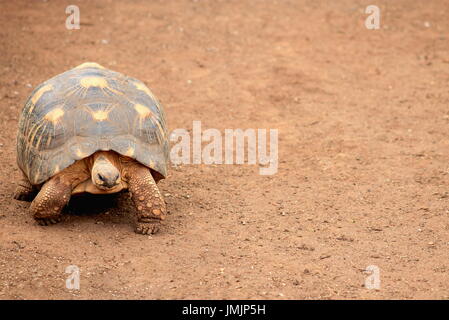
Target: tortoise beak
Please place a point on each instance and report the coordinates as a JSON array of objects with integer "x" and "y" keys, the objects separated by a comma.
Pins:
[{"x": 108, "y": 182}]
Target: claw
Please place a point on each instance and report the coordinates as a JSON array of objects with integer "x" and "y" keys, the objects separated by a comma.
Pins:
[
  {"x": 147, "y": 227},
  {"x": 47, "y": 221},
  {"x": 23, "y": 196}
]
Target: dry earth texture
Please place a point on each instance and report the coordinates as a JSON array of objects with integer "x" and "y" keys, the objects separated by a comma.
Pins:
[{"x": 363, "y": 119}]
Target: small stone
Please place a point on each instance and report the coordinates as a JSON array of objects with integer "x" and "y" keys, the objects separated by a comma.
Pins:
[
  {"x": 149, "y": 204},
  {"x": 157, "y": 212},
  {"x": 140, "y": 208},
  {"x": 141, "y": 198}
]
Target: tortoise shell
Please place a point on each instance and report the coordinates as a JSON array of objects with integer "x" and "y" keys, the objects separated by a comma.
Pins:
[{"x": 85, "y": 110}]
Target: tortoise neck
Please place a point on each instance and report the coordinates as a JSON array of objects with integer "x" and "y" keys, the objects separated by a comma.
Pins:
[{"x": 103, "y": 156}]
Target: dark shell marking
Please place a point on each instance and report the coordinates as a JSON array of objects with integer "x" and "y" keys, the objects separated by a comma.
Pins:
[{"x": 84, "y": 110}]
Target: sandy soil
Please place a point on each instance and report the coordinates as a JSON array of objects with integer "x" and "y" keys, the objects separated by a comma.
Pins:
[{"x": 363, "y": 176}]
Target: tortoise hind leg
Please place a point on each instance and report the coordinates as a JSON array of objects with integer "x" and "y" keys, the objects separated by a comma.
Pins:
[
  {"x": 51, "y": 199},
  {"x": 24, "y": 190},
  {"x": 148, "y": 200}
]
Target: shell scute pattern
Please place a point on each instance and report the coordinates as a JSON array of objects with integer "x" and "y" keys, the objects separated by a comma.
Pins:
[{"x": 84, "y": 110}]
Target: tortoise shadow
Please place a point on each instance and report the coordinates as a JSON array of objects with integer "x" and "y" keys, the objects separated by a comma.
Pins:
[{"x": 93, "y": 204}]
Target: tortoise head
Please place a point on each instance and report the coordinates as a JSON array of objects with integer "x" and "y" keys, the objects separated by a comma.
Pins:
[{"x": 104, "y": 173}]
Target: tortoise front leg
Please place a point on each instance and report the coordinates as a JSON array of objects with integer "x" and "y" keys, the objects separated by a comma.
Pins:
[
  {"x": 51, "y": 199},
  {"x": 24, "y": 190},
  {"x": 148, "y": 200}
]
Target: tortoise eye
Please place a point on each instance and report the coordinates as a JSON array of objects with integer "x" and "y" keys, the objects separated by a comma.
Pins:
[{"x": 100, "y": 177}]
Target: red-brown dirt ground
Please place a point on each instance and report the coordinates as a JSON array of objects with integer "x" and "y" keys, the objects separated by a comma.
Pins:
[{"x": 363, "y": 120}]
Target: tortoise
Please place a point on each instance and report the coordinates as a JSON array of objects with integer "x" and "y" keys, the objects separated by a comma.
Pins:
[{"x": 92, "y": 130}]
